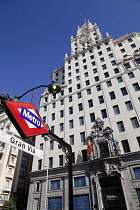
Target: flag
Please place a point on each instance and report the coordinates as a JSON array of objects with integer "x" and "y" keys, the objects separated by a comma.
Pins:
[{"x": 89, "y": 147}]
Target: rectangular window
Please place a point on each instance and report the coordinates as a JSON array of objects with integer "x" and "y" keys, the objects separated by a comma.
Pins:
[
  {"x": 112, "y": 95},
  {"x": 119, "y": 79},
  {"x": 77, "y": 71},
  {"x": 104, "y": 113},
  {"x": 102, "y": 59},
  {"x": 70, "y": 89},
  {"x": 129, "y": 105},
  {"x": 78, "y": 86},
  {"x": 111, "y": 55},
  {"x": 60, "y": 160},
  {"x": 116, "y": 109},
  {"x": 138, "y": 194},
  {"x": 50, "y": 162},
  {"x": 80, "y": 107},
  {"x": 92, "y": 117},
  {"x": 45, "y": 108},
  {"x": 85, "y": 67},
  {"x": 70, "y": 99},
  {"x": 78, "y": 78},
  {"x": 93, "y": 63},
  {"x": 90, "y": 103},
  {"x": 81, "y": 202},
  {"x": 120, "y": 44},
  {"x": 69, "y": 74},
  {"x": 108, "y": 49},
  {"x": 134, "y": 122},
  {"x": 53, "y": 116},
  {"x": 109, "y": 83},
  {"x": 95, "y": 71},
  {"x": 61, "y": 127},
  {"x": 44, "y": 119},
  {"x": 53, "y": 105},
  {"x": 76, "y": 64},
  {"x": 79, "y": 95},
  {"x": 61, "y": 102},
  {"x": 86, "y": 74},
  {"x": 51, "y": 145},
  {"x": 101, "y": 99},
  {"x": 130, "y": 40},
  {"x": 71, "y": 139},
  {"x": 52, "y": 129},
  {"x": 113, "y": 63},
  {"x": 133, "y": 45},
  {"x": 92, "y": 57},
  {"x": 106, "y": 74},
  {"x": 84, "y": 60},
  {"x": 96, "y": 79},
  {"x": 71, "y": 110},
  {"x": 55, "y": 203},
  {"x": 137, "y": 172},
  {"x": 121, "y": 127},
  {"x": 116, "y": 70},
  {"x": 55, "y": 185},
  {"x": 84, "y": 155},
  {"x": 88, "y": 91},
  {"x": 39, "y": 164},
  {"x": 104, "y": 66},
  {"x": 122, "y": 50},
  {"x": 127, "y": 66},
  {"x": 136, "y": 87},
  {"x": 69, "y": 67},
  {"x": 41, "y": 146},
  {"x": 100, "y": 53},
  {"x": 125, "y": 145},
  {"x": 137, "y": 61},
  {"x": 73, "y": 157},
  {"x": 138, "y": 139},
  {"x": 98, "y": 87},
  {"x": 87, "y": 82},
  {"x": 82, "y": 136},
  {"x": 81, "y": 120},
  {"x": 61, "y": 113},
  {"x": 124, "y": 91},
  {"x": 79, "y": 181},
  {"x": 131, "y": 75},
  {"x": 71, "y": 124}
]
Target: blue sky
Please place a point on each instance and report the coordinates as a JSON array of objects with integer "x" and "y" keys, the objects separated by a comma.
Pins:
[{"x": 35, "y": 35}]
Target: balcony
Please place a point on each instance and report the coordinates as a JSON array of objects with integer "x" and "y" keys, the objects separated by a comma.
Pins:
[
  {"x": 13, "y": 164},
  {"x": 14, "y": 152},
  {"x": 9, "y": 176},
  {"x": 7, "y": 189}
]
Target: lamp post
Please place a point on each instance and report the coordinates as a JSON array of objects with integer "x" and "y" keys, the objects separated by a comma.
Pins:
[
  {"x": 54, "y": 89},
  {"x": 46, "y": 192}
]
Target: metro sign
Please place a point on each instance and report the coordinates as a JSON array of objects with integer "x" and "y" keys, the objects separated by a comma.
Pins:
[{"x": 25, "y": 118}]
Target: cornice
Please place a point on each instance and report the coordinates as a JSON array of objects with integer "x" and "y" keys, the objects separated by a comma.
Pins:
[{"x": 123, "y": 38}]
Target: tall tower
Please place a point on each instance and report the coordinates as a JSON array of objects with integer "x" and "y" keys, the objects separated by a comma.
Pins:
[{"x": 101, "y": 80}]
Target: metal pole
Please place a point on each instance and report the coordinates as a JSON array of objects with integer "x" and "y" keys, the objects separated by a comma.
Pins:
[
  {"x": 46, "y": 193},
  {"x": 66, "y": 145}
]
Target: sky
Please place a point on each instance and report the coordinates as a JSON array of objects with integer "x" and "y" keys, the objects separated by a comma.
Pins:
[{"x": 35, "y": 36}]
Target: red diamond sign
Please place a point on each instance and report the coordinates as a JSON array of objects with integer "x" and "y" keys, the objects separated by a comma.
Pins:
[{"x": 25, "y": 118}]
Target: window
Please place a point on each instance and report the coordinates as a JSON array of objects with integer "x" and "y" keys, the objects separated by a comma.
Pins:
[
  {"x": 70, "y": 89},
  {"x": 93, "y": 63},
  {"x": 108, "y": 49},
  {"x": 137, "y": 172},
  {"x": 102, "y": 59},
  {"x": 109, "y": 83},
  {"x": 69, "y": 67},
  {"x": 52, "y": 129},
  {"x": 134, "y": 122},
  {"x": 120, "y": 126},
  {"x": 95, "y": 71},
  {"x": 92, "y": 57},
  {"x": 71, "y": 139},
  {"x": 61, "y": 127},
  {"x": 133, "y": 45},
  {"x": 128, "y": 105},
  {"x": 44, "y": 119},
  {"x": 81, "y": 120},
  {"x": 111, "y": 55},
  {"x": 100, "y": 53},
  {"x": 106, "y": 43},
  {"x": 84, "y": 155},
  {"x": 124, "y": 91},
  {"x": 104, "y": 66},
  {"x": 136, "y": 87},
  {"x": 86, "y": 74},
  {"x": 90, "y": 51},
  {"x": 46, "y": 99},
  {"x": 60, "y": 160},
  {"x": 70, "y": 81},
  {"x": 120, "y": 79},
  {"x": 55, "y": 185},
  {"x": 104, "y": 113},
  {"x": 53, "y": 105},
  {"x": 61, "y": 102},
  {"x": 51, "y": 145},
  {"x": 113, "y": 62},
  {"x": 71, "y": 124},
  {"x": 101, "y": 99},
  {"x": 138, "y": 139},
  {"x": 106, "y": 74},
  {"x": 112, "y": 95},
  {"x": 53, "y": 116},
  {"x": 137, "y": 61},
  {"x": 82, "y": 136},
  {"x": 39, "y": 164},
  {"x": 78, "y": 86},
  {"x": 79, "y": 95},
  {"x": 83, "y": 54},
  {"x": 116, "y": 70},
  {"x": 131, "y": 75},
  {"x": 37, "y": 189},
  {"x": 50, "y": 162},
  {"x": 81, "y": 202},
  {"x": 45, "y": 108},
  {"x": 73, "y": 157},
  {"x": 77, "y": 71},
  {"x": 69, "y": 61},
  {"x": 98, "y": 87},
  {"x": 80, "y": 107},
  {"x": 76, "y": 64},
  {"x": 70, "y": 98},
  {"x": 90, "y": 103},
  {"x": 122, "y": 50},
  {"x": 84, "y": 60},
  {"x": 79, "y": 181},
  {"x": 120, "y": 44},
  {"x": 138, "y": 194},
  {"x": 98, "y": 47},
  {"x": 96, "y": 79},
  {"x": 85, "y": 67},
  {"x": 92, "y": 117},
  {"x": 125, "y": 145},
  {"x": 69, "y": 74},
  {"x": 130, "y": 40},
  {"x": 127, "y": 66},
  {"x": 88, "y": 91},
  {"x": 41, "y": 146},
  {"x": 71, "y": 110},
  {"x": 87, "y": 82},
  {"x": 55, "y": 203},
  {"x": 116, "y": 109}
]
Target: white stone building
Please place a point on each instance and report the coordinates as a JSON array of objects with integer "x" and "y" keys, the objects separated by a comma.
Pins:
[{"x": 100, "y": 79}]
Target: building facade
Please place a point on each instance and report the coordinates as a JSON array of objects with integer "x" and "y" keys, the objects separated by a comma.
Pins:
[
  {"x": 14, "y": 168},
  {"x": 100, "y": 84}
]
